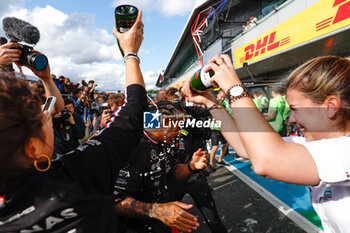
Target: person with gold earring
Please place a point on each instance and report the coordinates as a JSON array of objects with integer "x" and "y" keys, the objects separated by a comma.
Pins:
[{"x": 73, "y": 193}]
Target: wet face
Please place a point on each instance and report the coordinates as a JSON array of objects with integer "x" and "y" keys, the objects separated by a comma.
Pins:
[
  {"x": 307, "y": 115},
  {"x": 169, "y": 129}
]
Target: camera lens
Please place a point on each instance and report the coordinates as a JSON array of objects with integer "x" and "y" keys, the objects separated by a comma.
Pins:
[
  {"x": 65, "y": 114},
  {"x": 37, "y": 61}
]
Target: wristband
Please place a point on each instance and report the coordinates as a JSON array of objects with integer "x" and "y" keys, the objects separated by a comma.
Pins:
[
  {"x": 216, "y": 105},
  {"x": 131, "y": 55},
  {"x": 189, "y": 168}
]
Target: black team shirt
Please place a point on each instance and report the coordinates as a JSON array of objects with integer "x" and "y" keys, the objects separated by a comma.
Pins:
[
  {"x": 147, "y": 177},
  {"x": 75, "y": 195}
]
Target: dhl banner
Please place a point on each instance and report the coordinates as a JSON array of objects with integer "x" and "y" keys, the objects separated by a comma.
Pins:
[{"x": 321, "y": 18}]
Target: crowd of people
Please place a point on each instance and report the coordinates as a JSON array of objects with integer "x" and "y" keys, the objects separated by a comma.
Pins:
[{"x": 125, "y": 178}]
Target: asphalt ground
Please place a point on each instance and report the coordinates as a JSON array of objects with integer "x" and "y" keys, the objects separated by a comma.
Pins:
[{"x": 240, "y": 208}]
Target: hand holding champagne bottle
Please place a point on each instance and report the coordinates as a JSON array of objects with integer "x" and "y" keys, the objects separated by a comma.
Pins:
[
  {"x": 200, "y": 81},
  {"x": 125, "y": 17}
]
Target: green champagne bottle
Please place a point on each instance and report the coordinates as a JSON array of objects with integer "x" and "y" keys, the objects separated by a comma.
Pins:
[
  {"x": 200, "y": 81},
  {"x": 125, "y": 17}
]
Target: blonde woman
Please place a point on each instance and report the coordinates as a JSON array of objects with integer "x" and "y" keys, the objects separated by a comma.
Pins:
[{"x": 318, "y": 93}]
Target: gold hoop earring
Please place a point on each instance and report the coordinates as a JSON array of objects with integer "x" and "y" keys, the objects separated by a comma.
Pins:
[{"x": 48, "y": 165}]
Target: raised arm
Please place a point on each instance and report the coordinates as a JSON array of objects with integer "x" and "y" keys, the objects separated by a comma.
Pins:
[
  {"x": 269, "y": 153},
  {"x": 228, "y": 125},
  {"x": 252, "y": 137},
  {"x": 131, "y": 41},
  {"x": 49, "y": 85}
]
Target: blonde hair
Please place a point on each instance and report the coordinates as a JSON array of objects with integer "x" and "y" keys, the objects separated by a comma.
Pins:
[{"x": 321, "y": 77}]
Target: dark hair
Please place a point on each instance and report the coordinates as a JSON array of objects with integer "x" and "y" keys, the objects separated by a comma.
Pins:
[
  {"x": 102, "y": 96},
  {"x": 21, "y": 119},
  {"x": 68, "y": 101},
  {"x": 170, "y": 92},
  {"x": 166, "y": 108}
]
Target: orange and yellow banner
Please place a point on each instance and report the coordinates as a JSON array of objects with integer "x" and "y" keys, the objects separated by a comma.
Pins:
[{"x": 321, "y": 18}]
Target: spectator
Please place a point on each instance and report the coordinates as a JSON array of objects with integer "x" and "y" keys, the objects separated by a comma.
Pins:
[
  {"x": 264, "y": 103},
  {"x": 91, "y": 89},
  {"x": 101, "y": 98},
  {"x": 257, "y": 100},
  {"x": 114, "y": 101},
  {"x": 318, "y": 95},
  {"x": 276, "y": 110},
  {"x": 68, "y": 129},
  {"x": 83, "y": 105},
  {"x": 60, "y": 85},
  {"x": 287, "y": 127}
]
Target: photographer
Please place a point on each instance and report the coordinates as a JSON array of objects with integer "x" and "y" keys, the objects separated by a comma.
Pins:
[
  {"x": 83, "y": 104},
  {"x": 68, "y": 128},
  {"x": 114, "y": 101},
  {"x": 74, "y": 193}
]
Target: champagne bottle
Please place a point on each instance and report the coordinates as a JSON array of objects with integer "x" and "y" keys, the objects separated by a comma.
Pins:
[
  {"x": 125, "y": 17},
  {"x": 200, "y": 81}
]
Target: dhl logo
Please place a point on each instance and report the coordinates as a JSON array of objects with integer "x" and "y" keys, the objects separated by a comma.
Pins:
[
  {"x": 342, "y": 14},
  {"x": 267, "y": 43},
  {"x": 297, "y": 30}
]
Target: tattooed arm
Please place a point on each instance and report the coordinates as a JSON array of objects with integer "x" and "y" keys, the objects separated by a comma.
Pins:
[
  {"x": 131, "y": 208},
  {"x": 171, "y": 214}
]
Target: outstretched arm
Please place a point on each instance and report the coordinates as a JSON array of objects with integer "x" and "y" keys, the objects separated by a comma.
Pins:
[
  {"x": 269, "y": 153},
  {"x": 171, "y": 214},
  {"x": 228, "y": 124}
]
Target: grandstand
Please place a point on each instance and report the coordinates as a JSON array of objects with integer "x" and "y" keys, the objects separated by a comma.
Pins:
[{"x": 283, "y": 34}]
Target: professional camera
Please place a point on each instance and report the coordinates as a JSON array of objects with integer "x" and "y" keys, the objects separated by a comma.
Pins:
[
  {"x": 28, "y": 57},
  {"x": 97, "y": 108},
  {"x": 65, "y": 114},
  {"x": 20, "y": 31}
]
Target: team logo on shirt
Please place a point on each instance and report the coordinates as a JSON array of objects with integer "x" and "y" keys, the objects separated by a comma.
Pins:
[{"x": 151, "y": 120}]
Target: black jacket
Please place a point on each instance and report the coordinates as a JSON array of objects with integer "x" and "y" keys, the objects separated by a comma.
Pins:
[
  {"x": 75, "y": 195},
  {"x": 147, "y": 177},
  {"x": 67, "y": 140}
]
